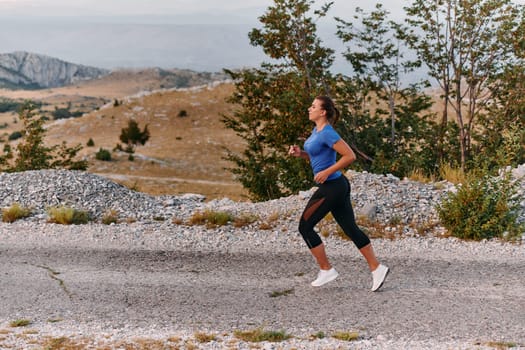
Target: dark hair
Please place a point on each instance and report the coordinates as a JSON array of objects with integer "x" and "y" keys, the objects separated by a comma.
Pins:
[{"x": 332, "y": 114}]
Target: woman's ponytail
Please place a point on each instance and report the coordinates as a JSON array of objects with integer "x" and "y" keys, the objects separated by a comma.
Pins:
[{"x": 332, "y": 113}]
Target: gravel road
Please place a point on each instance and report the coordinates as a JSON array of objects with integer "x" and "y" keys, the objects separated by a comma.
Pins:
[{"x": 148, "y": 285}]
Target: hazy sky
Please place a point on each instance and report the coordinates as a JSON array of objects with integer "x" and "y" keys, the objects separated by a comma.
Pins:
[
  {"x": 204, "y": 35},
  {"x": 241, "y": 8}
]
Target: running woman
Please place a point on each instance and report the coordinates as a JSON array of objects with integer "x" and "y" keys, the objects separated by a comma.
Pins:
[{"x": 333, "y": 193}]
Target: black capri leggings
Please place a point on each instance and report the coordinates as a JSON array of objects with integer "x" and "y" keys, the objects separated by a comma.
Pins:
[{"x": 332, "y": 196}]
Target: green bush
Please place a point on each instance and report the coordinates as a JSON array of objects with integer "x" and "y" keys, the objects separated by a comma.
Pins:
[
  {"x": 484, "y": 207},
  {"x": 15, "y": 135},
  {"x": 103, "y": 154},
  {"x": 90, "y": 142}
]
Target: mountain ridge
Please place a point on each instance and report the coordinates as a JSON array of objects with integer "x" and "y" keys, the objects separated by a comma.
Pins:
[{"x": 26, "y": 70}]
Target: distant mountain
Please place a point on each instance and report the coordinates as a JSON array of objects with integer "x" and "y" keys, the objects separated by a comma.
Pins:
[{"x": 24, "y": 70}]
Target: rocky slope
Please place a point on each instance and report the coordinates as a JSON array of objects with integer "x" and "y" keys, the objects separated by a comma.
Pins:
[{"x": 29, "y": 70}]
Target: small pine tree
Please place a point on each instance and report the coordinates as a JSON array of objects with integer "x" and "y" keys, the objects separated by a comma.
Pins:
[
  {"x": 132, "y": 136},
  {"x": 32, "y": 154},
  {"x": 103, "y": 154}
]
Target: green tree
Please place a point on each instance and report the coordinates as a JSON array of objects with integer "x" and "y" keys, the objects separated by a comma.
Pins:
[
  {"x": 273, "y": 100},
  {"x": 502, "y": 140},
  {"x": 464, "y": 45},
  {"x": 132, "y": 135},
  {"x": 397, "y": 133},
  {"x": 32, "y": 154}
]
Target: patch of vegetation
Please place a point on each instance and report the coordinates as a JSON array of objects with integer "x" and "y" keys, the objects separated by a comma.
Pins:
[
  {"x": 8, "y": 105},
  {"x": 15, "y": 212},
  {"x": 15, "y": 135},
  {"x": 260, "y": 335},
  {"x": 482, "y": 208},
  {"x": 65, "y": 113},
  {"x": 202, "y": 337},
  {"x": 245, "y": 219},
  {"x": 20, "y": 323},
  {"x": 346, "y": 336},
  {"x": 133, "y": 136},
  {"x": 319, "y": 335},
  {"x": 501, "y": 345},
  {"x": 67, "y": 216},
  {"x": 90, "y": 142},
  {"x": 32, "y": 154},
  {"x": 110, "y": 217},
  {"x": 452, "y": 174},
  {"x": 281, "y": 293},
  {"x": 103, "y": 155},
  {"x": 211, "y": 218}
]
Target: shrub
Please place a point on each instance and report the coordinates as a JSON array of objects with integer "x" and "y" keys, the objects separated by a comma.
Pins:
[
  {"x": 14, "y": 213},
  {"x": 103, "y": 154},
  {"x": 319, "y": 335},
  {"x": 183, "y": 113},
  {"x": 15, "y": 135},
  {"x": 67, "y": 216},
  {"x": 484, "y": 207},
  {"x": 7, "y": 105},
  {"x": 90, "y": 142}
]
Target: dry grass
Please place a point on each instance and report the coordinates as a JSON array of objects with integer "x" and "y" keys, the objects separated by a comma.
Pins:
[
  {"x": 454, "y": 175},
  {"x": 110, "y": 217},
  {"x": 15, "y": 212},
  {"x": 498, "y": 345},
  {"x": 346, "y": 336},
  {"x": 211, "y": 218},
  {"x": 202, "y": 337},
  {"x": 67, "y": 216},
  {"x": 20, "y": 323},
  {"x": 260, "y": 334}
]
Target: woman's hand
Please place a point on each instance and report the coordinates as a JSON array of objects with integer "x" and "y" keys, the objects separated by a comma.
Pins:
[
  {"x": 321, "y": 176},
  {"x": 295, "y": 151}
]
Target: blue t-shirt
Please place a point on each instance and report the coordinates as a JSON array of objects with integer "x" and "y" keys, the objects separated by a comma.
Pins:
[{"x": 319, "y": 149}]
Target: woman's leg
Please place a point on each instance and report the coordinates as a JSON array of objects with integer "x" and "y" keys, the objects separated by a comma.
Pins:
[
  {"x": 316, "y": 209},
  {"x": 344, "y": 216},
  {"x": 319, "y": 254}
]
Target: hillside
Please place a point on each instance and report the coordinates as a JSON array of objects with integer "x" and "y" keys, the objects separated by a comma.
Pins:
[{"x": 183, "y": 155}]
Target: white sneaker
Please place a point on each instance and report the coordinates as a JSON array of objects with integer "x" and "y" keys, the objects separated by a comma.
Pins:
[
  {"x": 325, "y": 276},
  {"x": 379, "y": 276}
]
